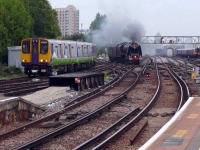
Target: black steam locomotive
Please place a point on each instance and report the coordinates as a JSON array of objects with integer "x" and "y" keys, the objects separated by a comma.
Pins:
[{"x": 127, "y": 52}]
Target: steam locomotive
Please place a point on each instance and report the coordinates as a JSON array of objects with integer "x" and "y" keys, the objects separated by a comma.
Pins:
[{"x": 127, "y": 52}]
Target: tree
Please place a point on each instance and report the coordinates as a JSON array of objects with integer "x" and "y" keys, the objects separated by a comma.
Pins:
[
  {"x": 96, "y": 29},
  {"x": 15, "y": 24},
  {"x": 44, "y": 18},
  {"x": 101, "y": 51},
  {"x": 75, "y": 37},
  {"x": 96, "y": 24}
]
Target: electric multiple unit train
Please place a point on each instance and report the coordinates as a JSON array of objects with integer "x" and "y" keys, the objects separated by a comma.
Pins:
[{"x": 48, "y": 56}]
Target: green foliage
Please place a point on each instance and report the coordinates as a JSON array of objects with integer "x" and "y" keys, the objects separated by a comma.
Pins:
[
  {"x": 15, "y": 24},
  {"x": 75, "y": 37},
  {"x": 95, "y": 27},
  {"x": 8, "y": 71},
  {"x": 101, "y": 51},
  {"x": 44, "y": 17},
  {"x": 96, "y": 24},
  {"x": 21, "y": 19}
]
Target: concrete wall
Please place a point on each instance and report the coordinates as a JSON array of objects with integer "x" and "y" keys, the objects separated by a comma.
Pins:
[
  {"x": 16, "y": 110},
  {"x": 14, "y": 57}
]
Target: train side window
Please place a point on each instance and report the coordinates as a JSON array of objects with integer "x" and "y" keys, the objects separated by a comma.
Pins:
[
  {"x": 43, "y": 47},
  {"x": 26, "y": 47}
]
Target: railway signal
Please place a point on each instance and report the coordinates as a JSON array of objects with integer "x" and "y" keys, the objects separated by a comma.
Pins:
[
  {"x": 77, "y": 80},
  {"x": 148, "y": 75}
]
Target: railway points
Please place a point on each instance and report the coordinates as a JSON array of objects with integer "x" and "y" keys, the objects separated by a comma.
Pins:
[{"x": 86, "y": 80}]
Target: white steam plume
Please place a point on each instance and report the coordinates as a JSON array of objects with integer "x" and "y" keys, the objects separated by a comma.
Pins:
[{"x": 121, "y": 25}]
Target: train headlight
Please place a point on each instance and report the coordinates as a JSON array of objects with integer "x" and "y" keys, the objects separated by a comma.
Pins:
[
  {"x": 41, "y": 60},
  {"x": 46, "y": 60},
  {"x": 23, "y": 60}
]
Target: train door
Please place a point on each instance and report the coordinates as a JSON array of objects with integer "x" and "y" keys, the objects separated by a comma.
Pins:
[
  {"x": 69, "y": 51},
  {"x": 59, "y": 51},
  {"x": 51, "y": 55},
  {"x": 35, "y": 52},
  {"x": 82, "y": 51},
  {"x": 51, "y": 49},
  {"x": 87, "y": 51},
  {"x": 65, "y": 51}
]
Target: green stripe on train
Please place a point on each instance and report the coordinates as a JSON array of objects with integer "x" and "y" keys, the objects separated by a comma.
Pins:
[{"x": 66, "y": 61}]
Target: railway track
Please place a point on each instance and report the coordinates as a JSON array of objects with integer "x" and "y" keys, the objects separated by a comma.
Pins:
[
  {"x": 124, "y": 137},
  {"x": 108, "y": 100},
  {"x": 71, "y": 105},
  {"x": 25, "y": 85},
  {"x": 13, "y": 81},
  {"x": 52, "y": 116}
]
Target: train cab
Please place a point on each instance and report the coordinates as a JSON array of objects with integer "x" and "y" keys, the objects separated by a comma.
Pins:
[
  {"x": 134, "y": 53},
  {"x": 35, "y": 55}
]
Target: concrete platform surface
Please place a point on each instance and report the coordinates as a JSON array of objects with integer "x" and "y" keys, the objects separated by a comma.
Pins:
[
  {"x": 47, "y": 95},
  {"x": 77, "y": 75},
  {"x": 182, "y": 132}
]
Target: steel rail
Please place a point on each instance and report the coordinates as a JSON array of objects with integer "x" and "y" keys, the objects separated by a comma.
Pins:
[
  {"x": 74, "y": 104},
  {"x": 75, "y": 123},
  {"x": 180, "y": 86},
  {"x": 106, "y": 142},
  {"x": 108, "y": 130}
]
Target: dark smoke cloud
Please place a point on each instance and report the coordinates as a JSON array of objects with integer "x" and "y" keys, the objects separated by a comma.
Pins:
[
  {"x": 133, "y": 32},
  {"x": 119, "y": 27}
]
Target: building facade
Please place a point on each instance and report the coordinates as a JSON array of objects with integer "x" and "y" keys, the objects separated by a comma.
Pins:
[{"x": 68, "y": 20}]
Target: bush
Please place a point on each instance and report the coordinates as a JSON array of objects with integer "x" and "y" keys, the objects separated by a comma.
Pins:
[{"x": 9, "y": 71}]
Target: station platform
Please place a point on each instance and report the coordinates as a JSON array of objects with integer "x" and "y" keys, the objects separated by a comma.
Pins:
[
  {"x": 15, "y": 109},
  {"x": 47, "y": 95},
  {"x": 182, "y": 132}
]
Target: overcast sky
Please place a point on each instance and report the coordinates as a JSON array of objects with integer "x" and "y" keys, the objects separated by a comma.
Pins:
[{"x": 169, "y": 17}]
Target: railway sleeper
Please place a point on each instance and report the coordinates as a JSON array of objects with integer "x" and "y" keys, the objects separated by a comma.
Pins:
[
  {"x": 50, "y": 125},
  {"x": 169, "y": 93}
]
